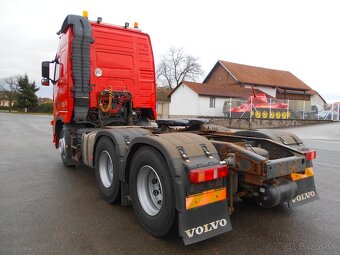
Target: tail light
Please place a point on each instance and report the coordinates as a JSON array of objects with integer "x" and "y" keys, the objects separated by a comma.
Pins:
[
  {"x": 310, "y": 155},
  {"x": 208, "y": 174}
]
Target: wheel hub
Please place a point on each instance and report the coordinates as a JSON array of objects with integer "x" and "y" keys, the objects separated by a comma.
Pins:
[
  {"x": 62, "y": 148},
  {"x": 149, "y": 190},
  {"x": 105, "y": 169}
]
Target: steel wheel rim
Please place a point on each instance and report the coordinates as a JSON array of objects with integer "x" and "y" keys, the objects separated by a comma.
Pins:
[
  {"x": 149, "y": 190},
  {"x": 62, "y": 148},
  {"x": 105, "y": 169}
]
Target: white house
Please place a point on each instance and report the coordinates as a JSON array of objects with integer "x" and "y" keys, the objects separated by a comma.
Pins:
[
  {"x": 230, "y": 80},
  {"x": 191, "y": 99}
]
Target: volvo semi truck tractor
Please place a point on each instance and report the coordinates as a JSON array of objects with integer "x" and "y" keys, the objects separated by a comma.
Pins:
[{"x": 176, "y": 174}]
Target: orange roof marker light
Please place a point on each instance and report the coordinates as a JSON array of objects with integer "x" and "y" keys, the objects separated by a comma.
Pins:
[
  {"x": 85, "y": 14},
  {"x": 135, "y": 25}
]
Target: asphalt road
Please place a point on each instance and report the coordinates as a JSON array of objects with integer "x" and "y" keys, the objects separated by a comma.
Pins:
[{"x": 46, "y": 208}]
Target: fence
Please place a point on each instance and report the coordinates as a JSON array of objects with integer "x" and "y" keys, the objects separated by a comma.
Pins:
[
  {"x": 260, "y": 107},
  {"x": 43, "y": 108}
]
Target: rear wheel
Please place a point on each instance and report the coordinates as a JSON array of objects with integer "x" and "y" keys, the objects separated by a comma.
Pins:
[
  {"x": 64, "y": 148},
  {"x": 257, "y": 114},
  {"x": 152, "y": 192},
  {"x": 106, "y": 170}
]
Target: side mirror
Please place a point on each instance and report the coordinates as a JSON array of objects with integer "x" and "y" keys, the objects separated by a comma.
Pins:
[
  {"x": 45, "y": 69},
  {"x": 45, "y": 82}
]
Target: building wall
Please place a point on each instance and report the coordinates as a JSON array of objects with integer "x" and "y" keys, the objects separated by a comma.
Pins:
[
  {"x": 5, "y": 103},
  {"x": 187, "y": 103},
  {"x": 221, "y": 77},
  {"x": 204, "y": 106},
  {"x": 299, "y": 105},
  {"x": 184, "y": 102},
  {"x": 293, "y": 96},
  {"x": 268, "y": 90},
  {"x": 317, "y": 100},
  {"x": 162, "y": 110}
]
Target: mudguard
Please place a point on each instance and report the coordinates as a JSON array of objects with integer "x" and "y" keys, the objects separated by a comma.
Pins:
[
  {"x": 281, "y": 136},
  {"x": 169, "y": 144},
  {"x": 204, "y": 222},
  {"x": 306, "y": 192},
  {"x": 121, "y": 138},
  {"x": 195, "y": 224}
]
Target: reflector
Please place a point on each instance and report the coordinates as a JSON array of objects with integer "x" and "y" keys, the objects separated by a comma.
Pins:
[{"x": 85, "y": 14}]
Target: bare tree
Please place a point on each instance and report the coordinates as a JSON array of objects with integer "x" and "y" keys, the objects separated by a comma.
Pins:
[
  {"x": 175, "y": 67},
  {"x": 9, "y": 90}
]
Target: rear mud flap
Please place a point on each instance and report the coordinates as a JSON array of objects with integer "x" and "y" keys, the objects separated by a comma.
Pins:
[
  {"x": 201, "y": 223},
  {"x": 306, "y": 192}
]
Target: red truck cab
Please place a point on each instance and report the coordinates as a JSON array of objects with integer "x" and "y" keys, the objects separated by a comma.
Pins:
[{"x": 96, "y": 61}]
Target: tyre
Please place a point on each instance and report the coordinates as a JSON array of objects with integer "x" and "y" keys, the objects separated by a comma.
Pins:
[
  {"x": 64, "y": 148},
  {"x": 272, "y": 115},
  {"x": 278, "y": 115},
  {"x": 106, "y": 170},
  {"x": 152, "y": 192},
  {"x": 284, "y": 115},
  {"x": 264, "y": 115},
  {"x": 258, "y": 114}
]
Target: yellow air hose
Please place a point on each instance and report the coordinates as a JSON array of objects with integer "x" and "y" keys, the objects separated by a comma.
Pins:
[{"x": 101, "y": 106}]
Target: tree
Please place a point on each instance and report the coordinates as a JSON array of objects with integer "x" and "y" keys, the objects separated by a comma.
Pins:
[
  {"x": 175, "y": 66},
  {"x": 26, "y": 96},
  {"x": 9, "y": 90}
]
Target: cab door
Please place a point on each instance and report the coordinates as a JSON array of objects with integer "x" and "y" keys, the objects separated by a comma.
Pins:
[{"x": 61, "y": 89}]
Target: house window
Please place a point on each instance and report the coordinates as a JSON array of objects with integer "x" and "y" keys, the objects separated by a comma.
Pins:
[{"x": 212, "y": 102}]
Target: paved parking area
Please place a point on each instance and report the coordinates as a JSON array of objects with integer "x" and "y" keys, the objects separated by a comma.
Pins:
[{"x": 46, "y": 208}]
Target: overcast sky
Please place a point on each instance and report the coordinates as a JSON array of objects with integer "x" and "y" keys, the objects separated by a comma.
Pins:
[{"x": 299, "y": 36}]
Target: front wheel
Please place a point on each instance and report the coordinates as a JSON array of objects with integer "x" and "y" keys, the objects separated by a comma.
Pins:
[
  {"x": 64, "y": 148},
  {"x": 152, "y": 191}
]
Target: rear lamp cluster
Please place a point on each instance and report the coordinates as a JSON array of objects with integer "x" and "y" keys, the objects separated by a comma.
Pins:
[
  {"x": 310, "y": 155},
  {"x": 208, "y": 174}
]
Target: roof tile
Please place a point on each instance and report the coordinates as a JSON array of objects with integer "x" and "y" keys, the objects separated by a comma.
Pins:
[
  {"x": 264, "y": 76},
  {"x": 203, "y": 89}
]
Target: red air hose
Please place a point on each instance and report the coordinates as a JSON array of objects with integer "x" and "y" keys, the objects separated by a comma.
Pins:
[{"x": 118, "y": 106}]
